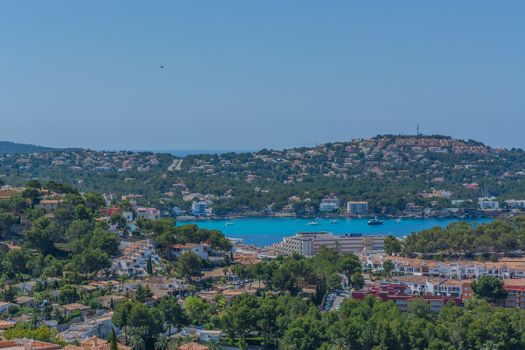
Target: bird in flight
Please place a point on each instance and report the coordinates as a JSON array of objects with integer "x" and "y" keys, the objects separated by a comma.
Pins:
[{"x": 161, "y": 66}]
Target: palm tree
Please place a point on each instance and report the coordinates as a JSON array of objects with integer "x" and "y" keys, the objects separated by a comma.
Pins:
[
  {"x": 137, "y": 343},
  {"x": 161, "y": 343}
]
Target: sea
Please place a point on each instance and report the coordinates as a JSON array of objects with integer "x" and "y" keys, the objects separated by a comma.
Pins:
[{"x": 266, "y": 231}]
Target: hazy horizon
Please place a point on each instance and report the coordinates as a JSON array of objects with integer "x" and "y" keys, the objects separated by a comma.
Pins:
[
  {"x": 273, "y": 74},
  {"x": 195, "y": 151}
]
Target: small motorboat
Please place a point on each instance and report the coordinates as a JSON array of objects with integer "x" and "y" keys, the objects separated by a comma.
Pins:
[
  {"x": 375, "y": 221},
  {"x": 229, "y": 223},
  {"x": 313, "y": 223}
]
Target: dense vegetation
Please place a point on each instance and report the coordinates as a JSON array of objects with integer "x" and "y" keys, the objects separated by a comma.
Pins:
[
  {"x": 73, "y": 242},
  {"x": 165, "y": 233},
  {"x": 290, "y": 274},
  {"x": 461, "y": 239},
  {"x": 289, "y": 322},
  {"x": 71, "y": 245},
  {"x": 388, "y": 171},
  {"x": 69, "y": 241},
  {"x": 279, "y": 316}
]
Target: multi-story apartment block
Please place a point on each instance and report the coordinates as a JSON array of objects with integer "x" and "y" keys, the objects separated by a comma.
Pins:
[
  {"x": 400, "y": 295},
  {"x": 462, "y": 269},
  {"x": 329, "y": 204},
  {"x": 200, "y": 208},
  {"x": 357, "y": 207},
  {"x": 421, "y": 285},
  {"x": 516, "y": 204},
  {"x": 148, "y": 213},
  {"x": 515, "y": 289},
  {"x": 309, "y": 243},
  {"x": 488, "y": 203}
]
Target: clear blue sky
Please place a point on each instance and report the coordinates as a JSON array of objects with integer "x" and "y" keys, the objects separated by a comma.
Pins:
[{"x": 250, "y": 74}]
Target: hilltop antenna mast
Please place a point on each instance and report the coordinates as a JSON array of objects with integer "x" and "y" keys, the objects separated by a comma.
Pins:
[{"x": 417, "y": 133}]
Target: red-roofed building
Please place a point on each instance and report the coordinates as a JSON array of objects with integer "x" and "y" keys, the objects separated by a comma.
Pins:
[
  {"x": 96, "y": 343},
  {"x": 22, "y": 344},
  {"x": 400, "y": 295},
  {"x": 109, "y": 211},
  {"x": 516, "y": 293},
  {"x": 148, "y": 213}
]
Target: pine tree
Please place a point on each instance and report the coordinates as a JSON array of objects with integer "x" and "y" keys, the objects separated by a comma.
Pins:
[
  {"x": 113, "y": 340},
  {"x": 149, "y": 267}
]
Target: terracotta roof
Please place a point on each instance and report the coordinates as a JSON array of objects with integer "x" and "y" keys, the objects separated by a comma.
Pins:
[
  {"x": 75, "y": 307},
  {"x": 35, "y": 344},
  {"x": 50, "y": 201},
  {"x": 511, "y": 283},
  {"x": 24, "y": 299},
  {"x": 71, "y": 347},
  {"x": 6, "y": 324},
  {"x": 9, "y": 192},
  {"x": 96, "y": 343},
  {"x": 103, "y": 283},
  {"x": 193, "y": 346},
  {"x": 135, "y": 246},
  {"x": 185, "y": 246},
  {"x": 452, "y": 282},
  {"x": 217, "y": 272}
]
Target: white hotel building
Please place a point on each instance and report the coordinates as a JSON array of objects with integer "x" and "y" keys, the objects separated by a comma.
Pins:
[{"x": 309, "y": 243}]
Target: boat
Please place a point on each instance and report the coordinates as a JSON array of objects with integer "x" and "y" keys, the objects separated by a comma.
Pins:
[
  {"x": 313, "y": 223},
  {"x": 334, "y": 221},
  {"x": 398, "y": 220},
  {"x": 375, "y": 221},
  {"x": 229, "y": 223}
]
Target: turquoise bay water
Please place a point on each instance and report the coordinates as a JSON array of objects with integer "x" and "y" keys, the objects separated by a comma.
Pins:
[{"x": 265, "y": 231}]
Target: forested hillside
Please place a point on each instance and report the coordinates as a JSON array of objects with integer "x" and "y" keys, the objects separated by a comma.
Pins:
[
  {"x": 7, "y": 147},
  {"x": 391, "y": 172}
]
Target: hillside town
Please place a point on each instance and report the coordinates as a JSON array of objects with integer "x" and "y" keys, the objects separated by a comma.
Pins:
[
  {"x": 411, "y": 176},
  {"x": 138, "y": 279}
]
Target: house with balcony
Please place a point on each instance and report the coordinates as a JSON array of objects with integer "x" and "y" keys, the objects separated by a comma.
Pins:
[{"x": 202, "y": 250}]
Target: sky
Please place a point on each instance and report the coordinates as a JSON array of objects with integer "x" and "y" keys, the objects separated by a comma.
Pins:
[{"x": 259, "y": 74}]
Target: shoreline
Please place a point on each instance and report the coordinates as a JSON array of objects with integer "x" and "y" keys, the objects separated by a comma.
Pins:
[
  {"x": 264, "y": 231},
  {"x": 184, "y": 218}
]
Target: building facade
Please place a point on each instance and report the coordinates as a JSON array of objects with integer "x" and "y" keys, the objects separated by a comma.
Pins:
[
  {"x": 134, "y": 258},
  {"x": 462, "y": 269},
  {"x": 148, "y": 213},
  {"x": 487, "y": 203},
  {"x": 329, "y": 204},
  {"x": 357, "y": 207},
  {"x": 309, "y": 243},
  {"x": 200, "y": 249},
  {"x": 199, "y": 208}
]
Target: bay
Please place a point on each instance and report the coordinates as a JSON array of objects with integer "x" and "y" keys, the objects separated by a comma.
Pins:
[{"x": 265, "y": 231}]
